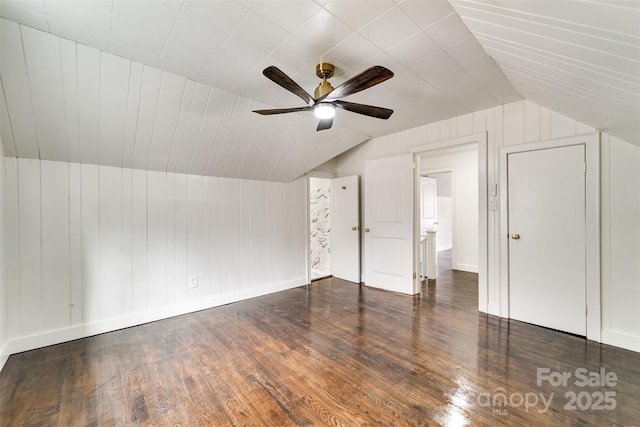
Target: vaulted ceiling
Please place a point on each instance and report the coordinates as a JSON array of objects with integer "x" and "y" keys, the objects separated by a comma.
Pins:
[{"x": 170, "y": 85}]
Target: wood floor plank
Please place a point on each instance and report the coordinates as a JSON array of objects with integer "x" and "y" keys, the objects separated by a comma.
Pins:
[{"x": 331, "y": 353}]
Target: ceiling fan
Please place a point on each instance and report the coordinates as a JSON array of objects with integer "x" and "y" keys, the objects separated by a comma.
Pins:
[{"x": 326, "y": 97}]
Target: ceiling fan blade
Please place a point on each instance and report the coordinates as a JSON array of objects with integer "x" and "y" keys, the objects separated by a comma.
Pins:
[
  {"x": 283, "y": 110},
  {"x": 325, "y": 124},
  {"x": 367, "y": 110},
  {"x": 368, "y": 78},
  {"x": 279, "y": 77}
]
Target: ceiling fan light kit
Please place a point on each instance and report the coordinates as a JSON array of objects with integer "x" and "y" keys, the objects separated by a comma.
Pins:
[
  {"x": 326, "y": 97},
  {"x": 324, "y": 111}
]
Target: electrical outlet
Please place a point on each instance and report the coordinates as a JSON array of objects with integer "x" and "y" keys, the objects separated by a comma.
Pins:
[{"x": 193, "y": 281}]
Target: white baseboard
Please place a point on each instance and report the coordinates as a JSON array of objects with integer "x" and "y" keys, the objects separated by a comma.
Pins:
[
  {"x": 621, "y": 339},
  {"x": 444, "y": 247},
  {"x": 466, "y": 267},
  {"x": 31, "y": 342}
]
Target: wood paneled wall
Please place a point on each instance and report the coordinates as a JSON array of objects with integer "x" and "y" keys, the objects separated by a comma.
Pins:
[
  {"x": 522, "y": 122},
  {"x": 93, "y": 248}
]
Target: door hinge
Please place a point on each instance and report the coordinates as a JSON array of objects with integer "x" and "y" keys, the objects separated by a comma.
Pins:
[
  {"x": 414, "y": 275},
  {"x": 414, "y": 165},
  {"x": 585, "y": 167}
]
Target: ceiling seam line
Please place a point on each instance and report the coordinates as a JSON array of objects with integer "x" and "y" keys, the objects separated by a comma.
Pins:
[
  {"x": 219, "y": 48},
  {"x": 235, "y": 141},
  {"x": 202, "y": 121},
  {"x": 155, "y": 117},
  {"x": 173, "y": 26},
  {"x": 186, "y": 123},
  {"x": 64, "y": 98},
  {"x": 100, "y": 110},
  {"x": 126, "y": 119},
  {"x": 77, "y": 101},
  {"x": 208, "y": 169},
  {"x": 26, "y": 70},
  {"x": 226, "y": 131},
  {"x": 135, "y": 133},
  {"x": 4, "y": 100},
  {"x": 288, "y": 135},
  {"x": 175, "y": 128}
]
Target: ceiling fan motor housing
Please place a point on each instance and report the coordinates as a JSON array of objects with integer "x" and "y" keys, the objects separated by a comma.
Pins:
[{"x": 324, "y": 71}]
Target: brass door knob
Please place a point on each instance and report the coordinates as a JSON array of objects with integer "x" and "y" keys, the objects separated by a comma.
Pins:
[
  {"x": 366, "y": 229},
  {"x": 354, "y": 228},
  {"x": 515, "y": 236}
]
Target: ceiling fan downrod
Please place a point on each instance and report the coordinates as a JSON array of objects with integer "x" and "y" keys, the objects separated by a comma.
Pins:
[{"x": 324, "y": 71}]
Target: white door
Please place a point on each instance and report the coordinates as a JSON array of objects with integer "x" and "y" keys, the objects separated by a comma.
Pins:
[
  {"x": 429, "y": 204},
  {"x": 546, "y": 222},
  {"x": 345, "y": 232},
  {"x": 388, "y": 223}
]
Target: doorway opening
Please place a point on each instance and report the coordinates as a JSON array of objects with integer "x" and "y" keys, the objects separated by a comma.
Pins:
[
  {"x": 437, "y": 213},
  {"x": 454, "y": 170},
  {"x": 319, "y": 228}
]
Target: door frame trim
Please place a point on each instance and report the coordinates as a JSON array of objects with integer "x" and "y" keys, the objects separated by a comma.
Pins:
[
  {"x": 592, "y": 217},
  {"x": 483, "y": 208}
]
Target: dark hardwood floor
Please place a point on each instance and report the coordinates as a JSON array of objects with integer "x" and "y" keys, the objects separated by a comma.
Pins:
[{"x": 333, "y": 353}]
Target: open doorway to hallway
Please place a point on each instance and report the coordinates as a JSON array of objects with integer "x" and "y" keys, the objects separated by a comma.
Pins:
[{"x": 455, "y": 173}]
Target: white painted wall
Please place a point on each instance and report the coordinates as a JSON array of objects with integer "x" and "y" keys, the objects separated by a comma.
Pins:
[
  {"x": 519, "y": 123},
  {"x": 444, "y": 236},
  {"x": 621, "y": 243},
  {"x": 463, "y": 162},
  {"x": 90, "y": 249}
]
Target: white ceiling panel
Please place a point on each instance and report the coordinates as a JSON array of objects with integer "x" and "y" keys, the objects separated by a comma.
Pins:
[
  {"x": 157, "y": 16},
  {"x": 427, "y": 13},
  {"x": 414, "y": 48},
  {"x": 352, "y": 52},
  {"x": 195, "y": 74},
  {"x": 390, "y": 29},
  {"x": 466, "y": 50},
  {"x": 289, "y": 15},
  {"x": 146, "y": 39},
  {"x": 222, "y": 15},
  {"x": 356, "y": 14},
  {"x": 323, "y": 31},
  {"x": 449, "y": 31}
]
